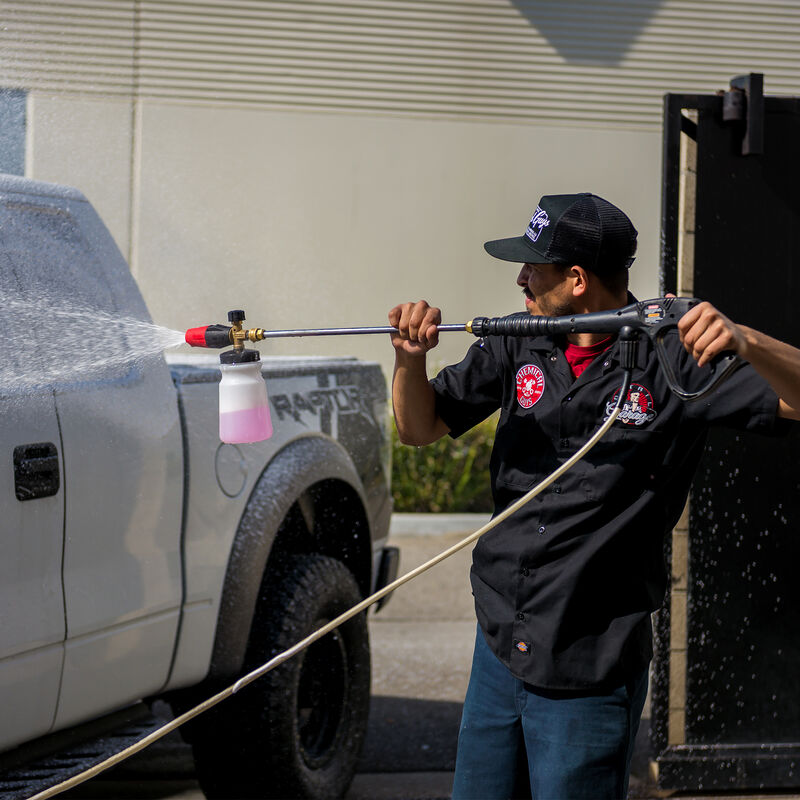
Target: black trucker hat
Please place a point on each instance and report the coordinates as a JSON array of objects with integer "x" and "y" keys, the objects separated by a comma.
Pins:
[{"x": 581, "y": 229}]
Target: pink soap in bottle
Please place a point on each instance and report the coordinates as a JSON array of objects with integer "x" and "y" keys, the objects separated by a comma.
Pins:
[{"x": 243, "y": 403}]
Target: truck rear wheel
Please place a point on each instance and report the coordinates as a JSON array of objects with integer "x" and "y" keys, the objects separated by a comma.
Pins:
[{"x": 298, "y": 731}]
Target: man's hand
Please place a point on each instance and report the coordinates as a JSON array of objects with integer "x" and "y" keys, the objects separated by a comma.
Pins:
[
  {"x": 707, "y": 332},
  {"x": 413, "y": 399},
  {"x": 417, "y": 330}
]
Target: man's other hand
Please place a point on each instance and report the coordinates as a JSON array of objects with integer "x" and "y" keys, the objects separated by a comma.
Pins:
[{"x": 707, "y": 332}]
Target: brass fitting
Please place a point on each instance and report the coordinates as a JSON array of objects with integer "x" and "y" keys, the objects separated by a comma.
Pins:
[
  {"x": 239, "y": 335},
  {"x": 254, "y": 334}
]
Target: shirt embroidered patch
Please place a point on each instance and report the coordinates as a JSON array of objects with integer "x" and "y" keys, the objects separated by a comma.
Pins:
[
  {"x": 638, "y": 408},
  {"x": 523, "y": 647},
  {"x": 530, "y": 385}
]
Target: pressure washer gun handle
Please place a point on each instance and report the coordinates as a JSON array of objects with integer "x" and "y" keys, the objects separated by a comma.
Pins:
[
  {"x": 661, "y": 316},
  {"x": 656, "y": 318},
  {"x": 720, "y": 368}
]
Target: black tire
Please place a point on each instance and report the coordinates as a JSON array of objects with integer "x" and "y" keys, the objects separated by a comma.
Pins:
[{"x": 298, "y": 731}]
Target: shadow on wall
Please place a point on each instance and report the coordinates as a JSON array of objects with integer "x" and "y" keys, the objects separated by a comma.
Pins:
[{"x": 604, "y": 34}]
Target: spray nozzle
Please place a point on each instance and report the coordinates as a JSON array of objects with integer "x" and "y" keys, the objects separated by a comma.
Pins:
[{"x": 216, "y": 336}]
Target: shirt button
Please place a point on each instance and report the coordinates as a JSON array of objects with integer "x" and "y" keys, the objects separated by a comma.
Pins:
[
  {"x": 526, "y": 571},
  {"x": 520, "y": 616},
  {"x": 554, "y": 358},
  {"x": 565, "y": 442},
  {"x": 606, "y": 363},
  {"x": 542, "y": 529}
]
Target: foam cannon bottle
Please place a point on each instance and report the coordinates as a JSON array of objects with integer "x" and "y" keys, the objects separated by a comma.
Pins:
[{"x": 243, "y": 403}]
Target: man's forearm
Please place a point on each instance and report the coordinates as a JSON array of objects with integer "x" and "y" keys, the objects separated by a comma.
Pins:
[
  {"x": 414, "y": 402},
  {"x": 779, "y": 364},
  {"x": 706, "y": 332}
]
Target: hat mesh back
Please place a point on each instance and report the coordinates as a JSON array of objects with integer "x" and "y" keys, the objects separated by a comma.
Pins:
[
  {"x": 618, "y": 240},
  {"x": 594, "y": 234},
  {"x": 576, "y": 238}
]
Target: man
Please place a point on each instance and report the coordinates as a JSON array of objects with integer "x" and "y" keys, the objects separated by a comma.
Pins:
[{"x": 565, "y": 587}]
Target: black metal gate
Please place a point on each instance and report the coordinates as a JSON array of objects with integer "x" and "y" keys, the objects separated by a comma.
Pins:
[{"x": 726, "y": 688}]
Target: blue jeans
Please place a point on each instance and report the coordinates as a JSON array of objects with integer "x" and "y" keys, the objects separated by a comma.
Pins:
[{"x": 577, "y": 746}]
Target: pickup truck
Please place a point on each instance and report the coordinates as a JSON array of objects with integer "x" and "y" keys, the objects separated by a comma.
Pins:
[{"x": 141, "y": 558}]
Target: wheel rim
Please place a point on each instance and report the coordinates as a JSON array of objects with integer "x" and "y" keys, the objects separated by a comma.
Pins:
[{"x": 321, "y": 698}]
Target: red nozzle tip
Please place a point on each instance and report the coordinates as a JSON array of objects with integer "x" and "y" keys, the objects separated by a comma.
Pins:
[{"x": 196, "y": 337}]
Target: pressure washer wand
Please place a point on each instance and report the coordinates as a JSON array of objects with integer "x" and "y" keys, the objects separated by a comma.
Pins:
[
  {"x": 218, "y": 336},
  {"x": 652, "y": 318},
  {"x": 353, "y": 331},
  {"x": 648, "y": 316}
]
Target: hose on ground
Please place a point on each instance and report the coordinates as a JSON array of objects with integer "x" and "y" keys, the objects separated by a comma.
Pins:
[{"x": 277, "y": 660}]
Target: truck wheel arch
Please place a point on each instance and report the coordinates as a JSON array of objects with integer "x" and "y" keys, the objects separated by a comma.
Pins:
[{"x": 309, "y": 467}]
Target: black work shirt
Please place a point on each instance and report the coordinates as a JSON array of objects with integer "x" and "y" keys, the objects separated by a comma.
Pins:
[{"x": 564, "y": 587}]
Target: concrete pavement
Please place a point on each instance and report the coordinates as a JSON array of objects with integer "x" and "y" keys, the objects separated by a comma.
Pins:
[{"x": 422, "y": 649}]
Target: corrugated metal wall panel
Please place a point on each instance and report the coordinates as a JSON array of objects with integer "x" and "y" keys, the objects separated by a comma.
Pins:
[
  {"x": 574, "y": 61},
  {"x": 85, "y": 47}
]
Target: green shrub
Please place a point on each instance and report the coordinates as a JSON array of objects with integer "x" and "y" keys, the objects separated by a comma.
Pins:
[{"x": 451, "y": 475}]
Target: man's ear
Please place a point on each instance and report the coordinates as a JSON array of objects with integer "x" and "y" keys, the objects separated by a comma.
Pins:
[{"x": 580, "y": 280}]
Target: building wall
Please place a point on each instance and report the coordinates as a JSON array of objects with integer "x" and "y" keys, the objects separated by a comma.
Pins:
[
  {"x": 85, "y": 141},
  {"x": 317, "y": 162}
]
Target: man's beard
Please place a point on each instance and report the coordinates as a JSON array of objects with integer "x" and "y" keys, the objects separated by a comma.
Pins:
[
  {"x": 563, "y": 310},
  {"x": 550, "y": 309}
]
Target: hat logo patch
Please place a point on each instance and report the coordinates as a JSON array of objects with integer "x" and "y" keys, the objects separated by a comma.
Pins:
[
  {"x": 638, "y": 408},
  {"x": 530, "y": 385},
  {"x": 539, "y": 221}
]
